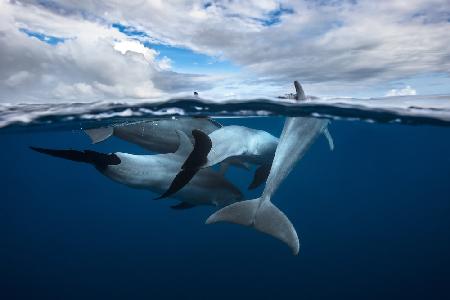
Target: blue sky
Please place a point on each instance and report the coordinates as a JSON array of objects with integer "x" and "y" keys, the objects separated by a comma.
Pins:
[
  {"x": 64, "y": 50},
  {"x": 183, "y": 60},
  {"x": 51, "y": 40}
]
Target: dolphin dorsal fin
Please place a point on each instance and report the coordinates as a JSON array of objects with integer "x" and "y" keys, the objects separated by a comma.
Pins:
[
  {"x": 299, "y": 90},
  {"x": 184, "y": 144},
  {"x": 98, "y": 135}
]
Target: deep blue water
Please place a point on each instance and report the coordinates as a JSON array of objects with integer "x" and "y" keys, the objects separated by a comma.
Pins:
[{"x": 373, "y": 218}]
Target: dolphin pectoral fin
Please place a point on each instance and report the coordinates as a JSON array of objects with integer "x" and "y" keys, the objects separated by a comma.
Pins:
[
  {"x": 198, "y": 156},
  {"x": 180, "y": 180},
  {"x": 98, "y": 135},
  {"x": 182, "y": 205},
  {"x": 327, "y": 134},
  {"x": 193, "y": 163},
  {"x": 261, "y": 215},
  {"x": 260, "y": 176}
]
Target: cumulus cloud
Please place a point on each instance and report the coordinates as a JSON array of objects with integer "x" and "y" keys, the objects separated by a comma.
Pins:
[
  {"x": 343, "y": 44},
  {"x": 95, "y": 61},
  {"x": 316, "y": 41},
  {"x": 406, "y": 91}
]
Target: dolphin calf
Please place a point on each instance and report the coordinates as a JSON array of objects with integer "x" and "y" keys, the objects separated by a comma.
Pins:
[
  {"x": 158, "y": 136},
  {"x": 298, "y": 135},
  {"x": 155, "y": 172}
]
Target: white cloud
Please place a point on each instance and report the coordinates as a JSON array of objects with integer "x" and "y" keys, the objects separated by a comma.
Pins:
[
  {"x": 95, "y": 62},
  {"x": 343, "y": 45},
  {"x": 17, "y": 78},
  {"x": 123, "y": 46},
  {"x": 406, "y": 91},
  {"x": 165, "y": 63}
]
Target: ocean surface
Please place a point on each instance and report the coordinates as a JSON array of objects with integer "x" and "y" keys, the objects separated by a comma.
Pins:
[{"x": 373, "y": 216}]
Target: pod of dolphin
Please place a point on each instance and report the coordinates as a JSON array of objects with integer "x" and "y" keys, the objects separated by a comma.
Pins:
[{"x": 187, "y": 150}]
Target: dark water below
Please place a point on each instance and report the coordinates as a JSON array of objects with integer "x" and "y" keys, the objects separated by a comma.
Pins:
[{"x": 373, "y": 218}]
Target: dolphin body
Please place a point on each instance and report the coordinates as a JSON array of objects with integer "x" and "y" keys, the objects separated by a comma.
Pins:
[
  {"x": 155, "y": 172},
  {"x": 235, "y": 143},
  {"x": 247, "y": 144},
  {"x": 158, "y": 136},
  {"x": 298, "y": 135},
  {"x": 228, "y": 144}
]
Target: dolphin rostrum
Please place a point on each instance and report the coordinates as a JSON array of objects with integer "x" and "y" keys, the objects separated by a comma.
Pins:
[
  {"x": 155, "y": 172},
  {"x": 298, "y": 135}
]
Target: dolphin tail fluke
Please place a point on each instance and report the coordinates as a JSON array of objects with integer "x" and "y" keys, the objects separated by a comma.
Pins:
[
  {"x": 261, "y": 215},
  {"x": 98, "y": 135}
]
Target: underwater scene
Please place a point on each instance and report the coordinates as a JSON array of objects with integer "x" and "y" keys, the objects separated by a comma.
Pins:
[
  {"x": 369, "y": 202},
  {"x": 223, "y": 149}
]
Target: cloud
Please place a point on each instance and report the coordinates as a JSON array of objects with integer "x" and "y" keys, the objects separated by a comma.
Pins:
[
  {"x": 343, "y": 45},
  {"x": 124, "y": 46},
  {"x": 94, "y": 62},
  {"x": 406, "y": 91},
  {"x": 317, "y": 41}
]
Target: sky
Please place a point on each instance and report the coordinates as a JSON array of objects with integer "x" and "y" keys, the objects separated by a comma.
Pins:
[{"x": 65, "y": 51}]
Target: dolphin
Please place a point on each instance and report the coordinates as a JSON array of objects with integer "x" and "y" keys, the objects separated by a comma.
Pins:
[
  {"x": 229, "y": 143},
  {"x": 236, "y": 143},
  {"x": 299, "y": 133},
  {"x": 159, "y": 135},
  {"x": 155, "y": 172}
]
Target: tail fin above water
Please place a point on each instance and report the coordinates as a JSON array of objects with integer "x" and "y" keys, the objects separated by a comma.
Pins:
[{"x": 261, "y": 215}]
